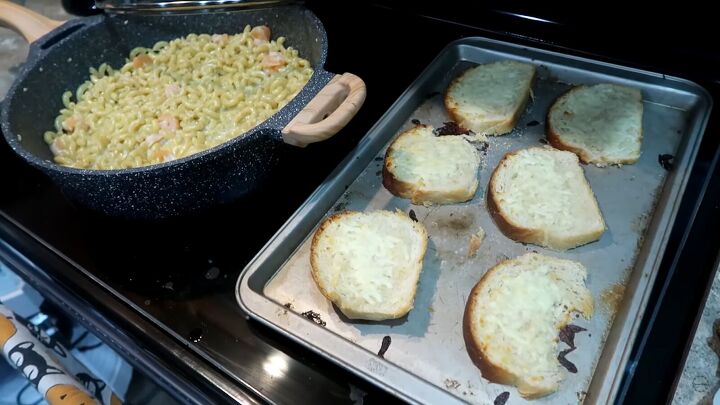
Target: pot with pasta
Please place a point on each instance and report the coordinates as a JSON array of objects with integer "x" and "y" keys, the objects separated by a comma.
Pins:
[{"x": 154, "y": 116}]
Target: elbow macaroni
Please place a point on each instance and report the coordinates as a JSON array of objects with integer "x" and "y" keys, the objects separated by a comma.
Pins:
[{"x": 192, "y": 93}]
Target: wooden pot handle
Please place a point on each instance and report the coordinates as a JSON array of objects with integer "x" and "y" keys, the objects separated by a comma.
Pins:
[
  {"x": 26, "y": 22},
  {"x": 328, "y": 112}
]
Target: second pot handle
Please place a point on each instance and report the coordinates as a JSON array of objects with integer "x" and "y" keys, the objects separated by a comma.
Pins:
[
  {"x": 328, "y": 112},
  {"x": 28, "y": 23}
]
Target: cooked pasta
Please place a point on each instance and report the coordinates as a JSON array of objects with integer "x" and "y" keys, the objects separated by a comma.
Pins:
[{"x": 175, "y": 99}]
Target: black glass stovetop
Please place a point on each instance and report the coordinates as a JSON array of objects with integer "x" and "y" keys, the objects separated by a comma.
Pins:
[{"x": 180, "y": 273}]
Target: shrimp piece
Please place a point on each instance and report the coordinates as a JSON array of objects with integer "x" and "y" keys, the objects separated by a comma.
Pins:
[
  {"x": 273, "y": 61},
  {"x": 74, "y": 123},
  {"x": 172, "y": 89},
  {"x": 57, "y": 146},
  {"x": 141, "y": 60},
  {"x": 260, "y": 34},
  {"x": 168, "y": 122},
  {"x": 70, "y": 124},
  {"x": 164, "y": 155}
]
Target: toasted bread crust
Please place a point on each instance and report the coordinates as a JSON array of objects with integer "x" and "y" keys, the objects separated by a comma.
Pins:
[
  {"x": 407, "y": 190},
  {"x": 489, "y": 370},
  {"x": 554, "y": 138},
  {"x": 314, "y": 252},
  {"x": 476, "y": 352},
  {"x": 511, "y": 230},
  {"x": 495, "y": 128},
  {"x": 349, "y": 311},
  {"x": 535, "y": 236},
  {"x": 394, "y": 185}
]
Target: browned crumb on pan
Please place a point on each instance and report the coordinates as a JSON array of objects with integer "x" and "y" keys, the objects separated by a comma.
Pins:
[
  {"x": 476, "y": 240},
  {"x": 612, "y": 296},
  {"x": 315, "y": 317},
  {"x": 451, "y": 384}
]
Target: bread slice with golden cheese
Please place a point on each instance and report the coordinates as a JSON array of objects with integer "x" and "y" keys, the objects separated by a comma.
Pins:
[
  {"x": 489, "y": 99},
  {"x": 540, "y": 195},
  {"x": 368, "y": 263},
  {"x": 513, "y": 316},
  {"x": 431, "y": 169},
  {"x": 602, "y": 124}
]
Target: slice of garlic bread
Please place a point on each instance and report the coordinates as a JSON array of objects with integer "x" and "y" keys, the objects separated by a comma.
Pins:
[
  {"x": 489, "y": 99},
  {"x": 368, "y": 263},
  {"x": 540, "y": 195},
  {"x": 431, "y": 169},
  {"x": 602, "y": 124},
  {"x": 513, "y": 316}
]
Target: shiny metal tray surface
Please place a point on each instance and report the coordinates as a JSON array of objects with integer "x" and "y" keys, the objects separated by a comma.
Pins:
[{"x": 426, "y": 361}]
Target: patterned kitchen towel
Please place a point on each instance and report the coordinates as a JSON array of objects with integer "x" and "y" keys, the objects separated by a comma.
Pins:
[{"x": 29, "y": 356}]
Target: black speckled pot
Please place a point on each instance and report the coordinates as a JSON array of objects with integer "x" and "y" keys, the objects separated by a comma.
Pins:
[{"x": 60, "y": 60}]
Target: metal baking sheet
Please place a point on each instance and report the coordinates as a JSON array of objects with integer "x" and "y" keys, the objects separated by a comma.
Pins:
[{"x": 427, "y": 361}]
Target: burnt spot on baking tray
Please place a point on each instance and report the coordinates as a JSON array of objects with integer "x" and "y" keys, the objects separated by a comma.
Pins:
[
  {"x": 451, "y": 128},
  {"x": 611, "y": 297},
  {"x": 666, "y": 161},
  {"x": 714, "y": 341},
  {"x": 384, "y": 346},
  {"x": 412, "y": 215},
  {"x": 533, "y": 123},
  {"x": 565, "y": 362},
  {"x": 288, "y": 305},
  {"x": 416, "y": 121},
  {"x": 639, "y": 224},
  {"x": 543, "y": 141},
  {"x": 567, "y": 334},
  {"x": 462, "y": 222},
  {"x": 315, "y": 317},
  {"x": 378, "y": 159},
  {"x": 502, "y": 398},
  {"x": 340, "y": 206}
]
